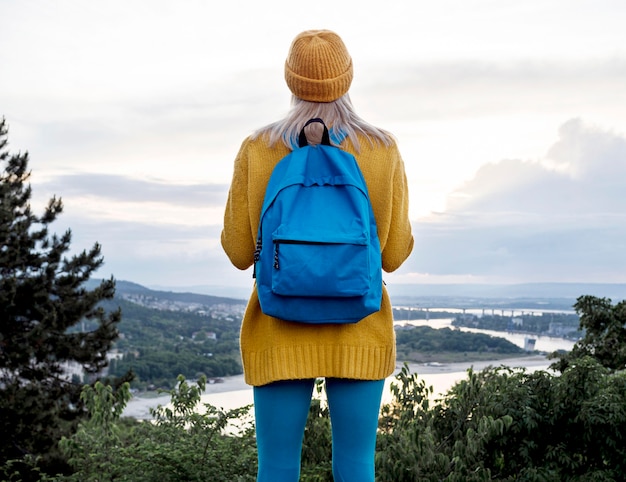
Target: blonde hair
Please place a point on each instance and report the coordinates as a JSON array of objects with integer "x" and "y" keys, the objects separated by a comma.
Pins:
[{"x": 338, "y": 114}]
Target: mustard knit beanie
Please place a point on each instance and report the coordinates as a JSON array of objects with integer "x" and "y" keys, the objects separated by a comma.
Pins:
[{"x": 318, "y": 66}]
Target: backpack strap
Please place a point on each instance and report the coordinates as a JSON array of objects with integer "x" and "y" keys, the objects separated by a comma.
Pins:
[{"x": 302, "y": 140}]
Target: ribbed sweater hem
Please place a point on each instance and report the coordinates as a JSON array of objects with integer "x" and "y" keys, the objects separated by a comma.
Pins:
[{"x": 313, "y": 361}]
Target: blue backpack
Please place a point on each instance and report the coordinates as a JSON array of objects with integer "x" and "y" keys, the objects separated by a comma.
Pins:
[{"x": 317, "y": 258}]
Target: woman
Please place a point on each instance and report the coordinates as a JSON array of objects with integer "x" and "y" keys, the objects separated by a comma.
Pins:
[{"x": 282, "y": 359}]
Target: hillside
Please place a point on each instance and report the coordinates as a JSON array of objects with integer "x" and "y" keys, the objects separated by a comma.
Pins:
[
  {"x": 165, "y": 333},
  {"x": 171, "y": 300}
]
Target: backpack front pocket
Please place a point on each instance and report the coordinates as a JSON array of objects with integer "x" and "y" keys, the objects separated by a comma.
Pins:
[{"x": 329, "y": 266}]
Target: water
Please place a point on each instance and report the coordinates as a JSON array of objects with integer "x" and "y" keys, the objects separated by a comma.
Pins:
[
  {"x": 440, "y": 377},
  {"x": 440, "y": 381},
  {"x": 229, "y": 400}
]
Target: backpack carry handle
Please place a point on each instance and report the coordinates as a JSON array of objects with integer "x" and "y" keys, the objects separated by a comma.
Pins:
[{"x": 302, "y": 140}]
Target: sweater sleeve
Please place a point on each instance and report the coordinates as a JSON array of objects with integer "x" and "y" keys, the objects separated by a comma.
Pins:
[
  {"x": 400, "y": 239},
  {"x": 236, "y": 238}
]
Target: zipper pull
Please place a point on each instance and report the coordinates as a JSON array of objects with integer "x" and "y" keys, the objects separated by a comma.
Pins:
[
  {"x": 257, "y": 255},
  {"x": 276, "y": 256}
]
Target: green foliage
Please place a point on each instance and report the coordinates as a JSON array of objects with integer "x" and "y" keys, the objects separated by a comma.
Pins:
[
  {"x": 500, "y": 424},
  {"x": 506, "y": 424},
  {"x": 317, "y": 443},
  {"x": 406, "y": 444},
  {"x": 423, "y": 343},
  {"x": 94, "y": 444},
  {"x": 42, "y": 300},
  {"x": 604, "y": 326},
  {"x": 188, "y": 441}
]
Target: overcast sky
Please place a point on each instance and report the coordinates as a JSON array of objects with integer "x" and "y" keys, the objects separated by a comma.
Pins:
[{"x": 510, "y": 115}]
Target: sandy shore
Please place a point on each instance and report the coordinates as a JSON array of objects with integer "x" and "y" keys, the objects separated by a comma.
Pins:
[
  {"x": 139, "y": 406},
  {"x": 432, "y": 368}
]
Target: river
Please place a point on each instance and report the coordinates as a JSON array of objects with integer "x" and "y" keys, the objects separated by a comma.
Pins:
[
  {"x": 440, "y": 376},
  {"x": 234, "y": 393}
]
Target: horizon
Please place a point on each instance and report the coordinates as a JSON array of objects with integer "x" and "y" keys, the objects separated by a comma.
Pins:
[
  {"x": 507, "y": 116},
  {"x": 514, "y": 291}
]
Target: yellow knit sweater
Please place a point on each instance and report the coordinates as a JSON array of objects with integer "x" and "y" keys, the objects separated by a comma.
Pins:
[{"x": 274, "y": 349}]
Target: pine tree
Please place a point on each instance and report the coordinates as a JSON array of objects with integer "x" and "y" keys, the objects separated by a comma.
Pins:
[{"x": 49, "y": 320}]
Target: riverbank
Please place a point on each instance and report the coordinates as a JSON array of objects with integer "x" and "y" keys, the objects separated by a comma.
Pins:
[
  {"x": 233, "y": 392},
  {"x": 531, "y": 361}
]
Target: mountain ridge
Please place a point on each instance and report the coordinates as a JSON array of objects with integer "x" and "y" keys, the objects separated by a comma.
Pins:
[
  {"x": 548, "y": 295},
  {"x": 125, "y": 289},
  {"x": 519, "y": 290}
]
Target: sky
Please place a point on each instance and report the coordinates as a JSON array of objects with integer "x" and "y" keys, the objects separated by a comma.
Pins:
[{"x": 510, "y": 117}]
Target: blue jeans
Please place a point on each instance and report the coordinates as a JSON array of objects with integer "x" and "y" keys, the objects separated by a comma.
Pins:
[{"x": 281, "y": 411}]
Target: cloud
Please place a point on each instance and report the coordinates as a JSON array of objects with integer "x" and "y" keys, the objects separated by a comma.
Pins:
[
  {"x": 168, "y": 254},
  {"x": 591, "y": 155},
  {"x": 138, "y": 239},
  {"x": 559, "y": 219},
  {"x": 116, "y": 188},
  {"x": 480, "y": 87},
  {"x": 137, "y": 131},
  {"x": 582, "y": 175}
]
